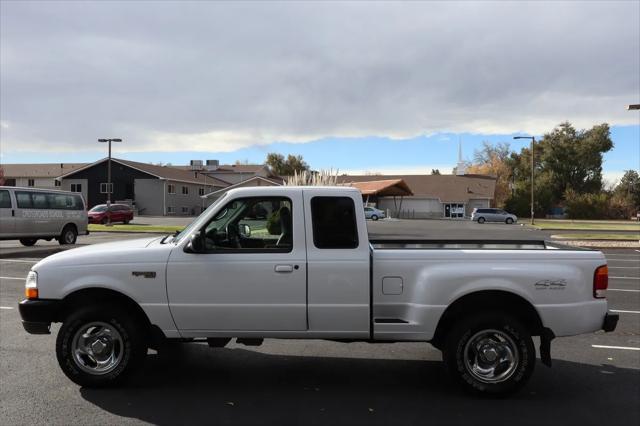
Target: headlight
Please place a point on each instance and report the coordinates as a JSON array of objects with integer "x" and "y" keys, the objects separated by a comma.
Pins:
[{"x": 31, "y": 285}]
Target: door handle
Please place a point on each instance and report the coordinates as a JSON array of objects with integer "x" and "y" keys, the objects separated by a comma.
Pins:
[{"x": 283, "y": 268}]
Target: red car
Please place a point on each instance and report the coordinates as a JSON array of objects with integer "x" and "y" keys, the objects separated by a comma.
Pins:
[{"x": 119, "y": 213}]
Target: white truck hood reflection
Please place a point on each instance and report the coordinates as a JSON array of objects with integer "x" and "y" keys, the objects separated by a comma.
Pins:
[{"x": 125, "y": 251}]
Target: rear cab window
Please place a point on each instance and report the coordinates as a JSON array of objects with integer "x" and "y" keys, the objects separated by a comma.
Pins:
[{"x": 334, "y": 223}]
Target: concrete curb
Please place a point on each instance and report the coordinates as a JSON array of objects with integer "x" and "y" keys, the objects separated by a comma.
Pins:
[
  {"x": 599, "y": 243},
  {"x": 131, "y": 232}
]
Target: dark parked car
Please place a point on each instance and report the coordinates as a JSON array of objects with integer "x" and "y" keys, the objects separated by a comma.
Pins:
[{"x": 119, "y": 213}]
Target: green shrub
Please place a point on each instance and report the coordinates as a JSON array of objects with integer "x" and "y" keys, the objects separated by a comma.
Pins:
[
  {"x": 273, "y": 223},
  {"x": 586, "y": 206}
]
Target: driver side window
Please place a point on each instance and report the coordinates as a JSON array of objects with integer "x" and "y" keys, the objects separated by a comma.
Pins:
[{"x": 252, "y": 225}]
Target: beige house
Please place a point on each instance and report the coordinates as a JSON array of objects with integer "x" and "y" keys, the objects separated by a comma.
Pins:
[
  {"x": 434, "y": 196},
  {"x": 37, "y": 175}
]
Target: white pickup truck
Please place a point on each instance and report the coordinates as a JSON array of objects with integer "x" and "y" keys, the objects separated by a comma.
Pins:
[{"x": 297, "y": 263}]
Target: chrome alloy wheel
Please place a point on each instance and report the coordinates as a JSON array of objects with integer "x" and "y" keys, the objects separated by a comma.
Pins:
[
  {"x": 97, "y": 348},
  {"x": 491, "y": 356}
]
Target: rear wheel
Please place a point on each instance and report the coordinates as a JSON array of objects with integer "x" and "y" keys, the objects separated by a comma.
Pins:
[
  {"x": 481, "y": 220},
  {"x": 69, "y": 235},
  {"x": 100, "y": 346},
  {"x": 509, "y": 221},
  {"x": 490, "y": 354},
  {"x": 28, "y": 242}
]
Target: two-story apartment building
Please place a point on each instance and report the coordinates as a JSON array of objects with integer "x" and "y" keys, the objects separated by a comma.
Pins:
[{"x": 152, "y": 189}]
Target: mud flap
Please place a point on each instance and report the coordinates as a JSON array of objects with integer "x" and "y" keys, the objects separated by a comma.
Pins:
[{"x": 545, "y": 346}]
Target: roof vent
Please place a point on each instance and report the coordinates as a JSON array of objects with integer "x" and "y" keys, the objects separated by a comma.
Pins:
[{"x": 196, "y": 164}]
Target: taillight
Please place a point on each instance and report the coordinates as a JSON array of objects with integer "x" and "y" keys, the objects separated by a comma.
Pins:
[{"x": 600, "y": 282}]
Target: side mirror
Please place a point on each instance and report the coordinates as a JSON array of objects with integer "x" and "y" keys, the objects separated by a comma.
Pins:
[
  {"x": 245, "y": 230},
  {"x": 196, "y": 243}
]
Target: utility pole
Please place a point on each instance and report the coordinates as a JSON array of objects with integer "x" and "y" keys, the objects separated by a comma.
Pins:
[
  {"x": 109, "y": 186},
  {"x": 533, "y": 141}
]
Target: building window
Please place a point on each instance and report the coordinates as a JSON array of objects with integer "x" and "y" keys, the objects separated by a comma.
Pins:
[
  {"x": 106, "y": 188},
  {"x": 31, "y": 182},
  {"x": 185, "y": 210},
  {"x": 171, "y": 189},
  {"x": 201, "y": 191},
  {"x": 76, "y": 187},
  {"x": 171, "y": 210},
  {"x": 56, "y": 182},
  {"x": 185, "y": 190}
]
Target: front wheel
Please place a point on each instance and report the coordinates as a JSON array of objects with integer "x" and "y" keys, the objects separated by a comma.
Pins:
[
  {"x": 100, "y": 346},
  {"x": 374, "y": 217},
  {"x": 481, "y": 220},
  {"x": 490, "y": 354},
  {"x": 509, "y": 221},
  {"x": 28, "y": 242}
]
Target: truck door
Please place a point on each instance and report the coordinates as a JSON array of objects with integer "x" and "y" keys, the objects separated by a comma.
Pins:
[
  {"x": 251, "y": 275},
  {"x": 338, "y": 262}
]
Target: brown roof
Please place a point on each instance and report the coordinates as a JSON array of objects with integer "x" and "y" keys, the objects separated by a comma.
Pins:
[
  {"x": 241, "y": 168},
  {"x": 228, "y": 168},
  {"x": 382, "y": 188},
  {"x": 39, "y": 170},
  {"x": 163, "y": 172},
  {"x": 446, "y": 188}
]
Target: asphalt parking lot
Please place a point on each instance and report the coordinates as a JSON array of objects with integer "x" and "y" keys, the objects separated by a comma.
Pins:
[{"x": 595, "y": 378}]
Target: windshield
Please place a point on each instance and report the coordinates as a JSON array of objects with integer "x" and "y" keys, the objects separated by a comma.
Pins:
[
  {"x": 99, "y": 209},
  {"x": 189, "y": 229}
]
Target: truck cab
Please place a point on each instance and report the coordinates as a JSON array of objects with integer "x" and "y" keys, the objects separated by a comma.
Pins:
[{"x": 281, "y": 274}]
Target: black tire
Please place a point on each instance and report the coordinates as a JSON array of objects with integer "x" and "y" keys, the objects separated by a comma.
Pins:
[
  {"x": 473, "y": 329},
  {"x": 374, "y": 217},
  {"x": 28, "y": 242},
  {"x": 126, "y": 221},
  {"x": 104, "y": 220},
  {"x": 481, "y": 220},
  {"x": 509, "y": 221},
  {"x": 69, "y": 235},
  {"x": 131, "y": 349}
]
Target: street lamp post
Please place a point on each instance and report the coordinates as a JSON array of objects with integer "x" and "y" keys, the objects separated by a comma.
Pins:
[
  {"x": 109, "y": 178},
  {"x": 533, "y": 141}
]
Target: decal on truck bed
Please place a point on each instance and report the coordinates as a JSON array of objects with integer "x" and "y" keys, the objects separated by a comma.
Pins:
[{"x": 554, "y": 284}]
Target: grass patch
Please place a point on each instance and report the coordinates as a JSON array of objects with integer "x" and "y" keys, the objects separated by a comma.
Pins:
[
  {"x": 598, "y": 236},
  {"x": 169, "y": 229},
  {"x": 585, "y": 225}
]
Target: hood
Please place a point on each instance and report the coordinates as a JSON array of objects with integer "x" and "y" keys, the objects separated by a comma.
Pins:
[{"x": 125, "y": 251}]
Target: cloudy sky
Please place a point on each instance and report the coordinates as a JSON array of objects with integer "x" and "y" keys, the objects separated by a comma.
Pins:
[{"x": 359, "y": 86}]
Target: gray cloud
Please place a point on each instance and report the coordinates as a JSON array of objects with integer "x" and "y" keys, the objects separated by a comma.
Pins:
[{"x": 219, "y": 76}]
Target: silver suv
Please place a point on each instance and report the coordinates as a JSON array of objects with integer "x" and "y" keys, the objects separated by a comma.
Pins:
[{"x": 493, "y": 215}]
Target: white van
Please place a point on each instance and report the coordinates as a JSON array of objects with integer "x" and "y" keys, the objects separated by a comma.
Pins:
[{"x": 30, "y": 214}]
